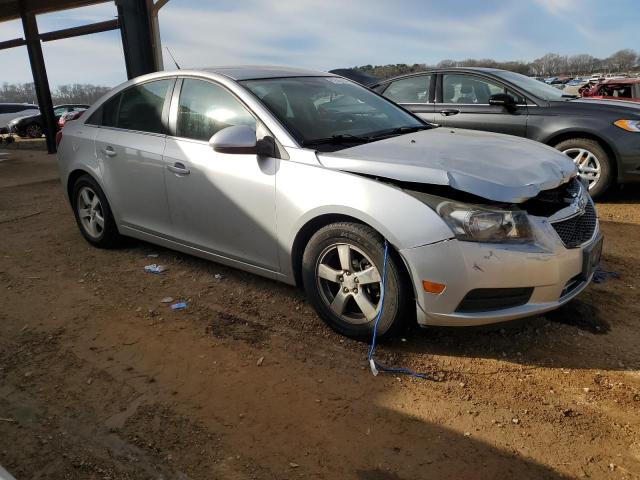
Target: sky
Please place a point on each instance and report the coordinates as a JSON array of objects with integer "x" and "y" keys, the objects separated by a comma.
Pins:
[{"x": 327, "y": 34}]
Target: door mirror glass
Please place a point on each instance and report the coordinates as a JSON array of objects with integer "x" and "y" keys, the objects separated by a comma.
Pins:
[
  {"x": 502, "y": 99},
  {"x": 235, "y": 139}
]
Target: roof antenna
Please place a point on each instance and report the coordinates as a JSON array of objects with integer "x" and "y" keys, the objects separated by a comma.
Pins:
[{"x": 174, "y": 60}]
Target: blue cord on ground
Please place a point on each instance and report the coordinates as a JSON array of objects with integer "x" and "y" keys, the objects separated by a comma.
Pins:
[{"x": 375, "y": 366}]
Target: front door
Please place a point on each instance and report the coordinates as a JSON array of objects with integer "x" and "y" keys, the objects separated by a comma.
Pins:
[
  {"x": 222, "y": 203},
  {"x": 464, "y": 103}
]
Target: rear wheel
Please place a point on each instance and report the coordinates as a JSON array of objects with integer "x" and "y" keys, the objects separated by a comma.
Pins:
[
  {"x": 33, "y": 130},
  {"x": 93, "y": 214},
  {"x": 593, "y": 162},
  {"x": 342, "y": 275}
]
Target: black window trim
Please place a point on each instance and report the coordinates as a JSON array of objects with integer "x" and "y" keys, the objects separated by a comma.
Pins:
[{"x": 165, "y": 108}]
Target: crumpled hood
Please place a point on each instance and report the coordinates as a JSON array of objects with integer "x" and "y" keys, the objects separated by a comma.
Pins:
[{"x": 497, "y": 167}]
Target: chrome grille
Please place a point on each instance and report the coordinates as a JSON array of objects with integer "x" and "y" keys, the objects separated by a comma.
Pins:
[{"x": 579, "y": 229}]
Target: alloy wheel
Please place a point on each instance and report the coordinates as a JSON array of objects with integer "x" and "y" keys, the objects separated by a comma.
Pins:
[
  {"x": 349, "y": 283},
  {"x": 34, "y": 131},
  {"x": 90, "y": 212},
  {"x": 589, "y": 167}
]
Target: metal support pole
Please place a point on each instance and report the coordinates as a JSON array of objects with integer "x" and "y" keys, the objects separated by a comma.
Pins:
[
  {"x": 155, "y": 27},
  {"x": 135, "y": 27},
  {"x": 36, "y": 59}
]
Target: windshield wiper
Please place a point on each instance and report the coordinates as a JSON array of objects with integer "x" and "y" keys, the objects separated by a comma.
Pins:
[
  {"x": 400, "y": 131},
  {"x": 336, "y": 139}
]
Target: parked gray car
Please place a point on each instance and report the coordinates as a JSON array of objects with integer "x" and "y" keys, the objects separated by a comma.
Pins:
[
  {"x": 305, "y": 177},
  {"x": 601, "y": 136}
]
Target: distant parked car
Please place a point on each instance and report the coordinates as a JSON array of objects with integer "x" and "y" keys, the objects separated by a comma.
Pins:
[
  {"x": 32, "y": 126},
  {"x": 67, "y": 117},
  {"x": 624, "y": 89},
  {"x": 10, "y": 111},
  {"x": 602, "y": 137}
]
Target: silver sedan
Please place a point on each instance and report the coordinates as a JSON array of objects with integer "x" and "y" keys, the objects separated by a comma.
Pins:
[{"x": 308, "y": 178}]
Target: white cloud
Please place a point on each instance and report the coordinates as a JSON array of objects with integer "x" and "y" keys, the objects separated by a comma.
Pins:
[
  {"x": 559, "y": 7},
  {"x": 334, "y": 34}
]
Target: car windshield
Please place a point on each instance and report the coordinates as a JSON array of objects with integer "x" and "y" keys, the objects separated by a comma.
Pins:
[
  {"x": 331, "y": 112},
  {"x": 534, "y": 87}
]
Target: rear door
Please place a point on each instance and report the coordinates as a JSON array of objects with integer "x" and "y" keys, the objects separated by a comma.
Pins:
[
  {"x": 415, "y": 93},
  {"x": 464, "y": 103},
  {"x": 129, "y": 146},
  {"x": 221, "y": 203}
]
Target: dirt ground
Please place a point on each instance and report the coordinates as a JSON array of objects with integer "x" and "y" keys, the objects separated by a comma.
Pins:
[{"x": 101, "y": 380}]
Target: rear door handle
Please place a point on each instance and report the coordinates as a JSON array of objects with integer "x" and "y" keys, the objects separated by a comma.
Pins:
[
  {"x": 109, "y": 151},
  {"x": 449, "y": 112},
  {"x": 179, "y": 168}
]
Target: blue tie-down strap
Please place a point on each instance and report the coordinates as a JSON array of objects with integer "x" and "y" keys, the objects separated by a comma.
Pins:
[{"x": 375, "y": 366}]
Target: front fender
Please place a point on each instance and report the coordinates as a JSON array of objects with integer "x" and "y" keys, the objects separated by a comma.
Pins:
[{"x": 305, "y": 192}]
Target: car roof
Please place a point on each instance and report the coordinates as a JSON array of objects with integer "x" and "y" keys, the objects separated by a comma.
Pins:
[
  {"x": 254, "y": 72},
  {"x": 443, "y": 69},
  {"x": 622, "y": 81},
  {"x": 19, "y": 104}
]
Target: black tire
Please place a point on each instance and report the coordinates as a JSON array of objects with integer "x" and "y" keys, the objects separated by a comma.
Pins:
[
  {"x": 108, "y": 237},
  {"x": 397, "y": 296},
  {"x": 33, "y": 130},
  {"x": 606, "y": 166}
]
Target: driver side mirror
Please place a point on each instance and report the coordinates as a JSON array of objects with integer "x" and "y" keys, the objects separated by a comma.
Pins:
[
  {"x": 503, "y": 100},
  {"x": 241, "y": 139}
]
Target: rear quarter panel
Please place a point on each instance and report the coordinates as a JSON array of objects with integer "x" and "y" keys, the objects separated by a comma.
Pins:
[{"x": 77, "y": 152}]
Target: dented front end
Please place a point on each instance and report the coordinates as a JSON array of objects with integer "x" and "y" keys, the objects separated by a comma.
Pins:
[{"x": 492, "y": 281}]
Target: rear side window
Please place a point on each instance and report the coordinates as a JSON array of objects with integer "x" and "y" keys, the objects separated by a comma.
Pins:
[
  {"x": 109, "y": 111},
  {"x": 141, "y": 107},
  {"x": 206, "y": 108},
  {"x": 409, "y": 90},
  {"x": 137, "y": 108}
]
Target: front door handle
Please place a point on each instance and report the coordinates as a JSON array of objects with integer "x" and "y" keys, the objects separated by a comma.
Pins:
[
  {"x": 448, "y": 112},
  {"x": 109, "y": 151},
  {"x": 179, "y": 168}
]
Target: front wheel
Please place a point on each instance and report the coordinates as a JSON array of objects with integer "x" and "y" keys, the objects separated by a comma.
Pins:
[
  {"x": 342, "y": 271},
  {"x": 593, "y": 162}
]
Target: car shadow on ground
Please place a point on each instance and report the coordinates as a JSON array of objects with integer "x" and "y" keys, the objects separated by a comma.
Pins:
[{"x": 621, "y": 194}]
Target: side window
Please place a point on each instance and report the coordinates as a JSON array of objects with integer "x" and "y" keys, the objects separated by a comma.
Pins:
[
  {"x": 141, "y": 107},
  {"x": 107, "y": 115},
  {"x": 60, "y": 110},
  {"x": 206, "y": 108},
  {"x": 409, "y": 90},
  {"x": 468, "y": 89}
]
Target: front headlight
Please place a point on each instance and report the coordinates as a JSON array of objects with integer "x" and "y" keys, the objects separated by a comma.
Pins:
[
  {"x": 628, "y": 125},
  {"x": 474, "y": 223}
]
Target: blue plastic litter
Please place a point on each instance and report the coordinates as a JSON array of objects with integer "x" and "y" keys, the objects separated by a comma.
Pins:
[
  {"x": 179, "y": 306},
  {"x": 601, "y": 275},
  {"x": 155, "y": 269}
]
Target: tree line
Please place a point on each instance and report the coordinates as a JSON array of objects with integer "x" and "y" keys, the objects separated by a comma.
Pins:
[
  {"x": 551, "y": 64},
  {"x": 71, "y": 93}
]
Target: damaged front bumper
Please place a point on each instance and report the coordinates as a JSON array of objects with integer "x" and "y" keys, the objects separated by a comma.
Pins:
[{"x": 490, "y": 283}]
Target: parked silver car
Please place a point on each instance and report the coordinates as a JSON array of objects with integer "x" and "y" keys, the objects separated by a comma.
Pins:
[{"x": 304, "y": 177}]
